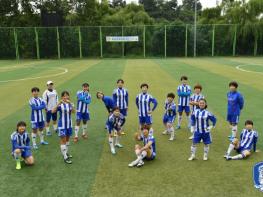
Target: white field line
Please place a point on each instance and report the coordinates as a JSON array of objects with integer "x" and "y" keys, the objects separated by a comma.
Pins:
[{"x": 238, "y": 67}]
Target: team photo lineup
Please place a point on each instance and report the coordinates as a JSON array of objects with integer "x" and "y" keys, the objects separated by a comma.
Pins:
[{"x": 54, "y": 114}]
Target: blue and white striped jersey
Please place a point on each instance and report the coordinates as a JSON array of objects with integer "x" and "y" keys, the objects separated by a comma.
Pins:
[
  {"x": 170, "y": 108},
  {"x": 84, "y": 99},
  {"x": 65, "y": 120},
  {"x": 248, "y": 139},
  {"x": 148, "y": 139},
  {"x": 37, "y": 105},
  {"x": 20, "y": 141},
  {"x": 196, "y": 98},
  {"x": 121, "y": 98},
  {"x": 115, "y": 122},
  {"x": 200, "y": 120},
  {"x": 184, "y": 92},
  {"x": 143, "y": 102}
]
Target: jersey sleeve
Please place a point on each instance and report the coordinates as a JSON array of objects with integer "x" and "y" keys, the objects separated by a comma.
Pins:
[{"x": 212, "y": 118}]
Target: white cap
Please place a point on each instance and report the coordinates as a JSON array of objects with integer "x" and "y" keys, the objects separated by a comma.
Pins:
[{"x": 49, "y": 82}]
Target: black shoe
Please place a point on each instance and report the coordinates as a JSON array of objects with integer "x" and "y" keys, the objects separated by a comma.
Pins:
[
  {"x": 69, "y": 156},
  {"x": 67, "y": 161}
]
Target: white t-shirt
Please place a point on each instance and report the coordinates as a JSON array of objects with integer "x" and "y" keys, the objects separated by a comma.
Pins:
[{"x": 51, "y": 99}]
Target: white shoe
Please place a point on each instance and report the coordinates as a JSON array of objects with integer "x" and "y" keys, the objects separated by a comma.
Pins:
[
  {"x": 132, "y": 164},
  {"x": 191, "y": 158},
  {"x": 205, "y": 158},
  {"x": 140, "y": 164},
  {"x": 113, "y": 151},
  {"x": 165, "y": 132},
  {"x": 191, "y": 137},
  {"x": 171, "y": 139}
]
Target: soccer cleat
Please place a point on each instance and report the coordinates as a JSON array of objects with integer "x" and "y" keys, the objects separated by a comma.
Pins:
[
  {"x": 225, "y": 156},
  {"x": 132, "y": 164},
  {"x": 171, "y": 139},
  {"x": 165, "y": 132},
  {"x": 68, "y": 161},
  {"x": 35, "y": 147},
  {"x": 48, "y": 133},
  {"x": 44, "y": 143},
  {"x": 76, "y": 139},
  {"x": 191, "y": 158},
  {"x": 123, "y": 133},
  {"x": 69, "y": 156},
  {"x": 118, "y": 145},
  {"x": 178, "y": 127},
  {"x": 140, "y": 164},
  {"x": 84, "y": 136},
  {"x": 228, "y": 158},
  {"x": 191, "y": 137},
  {"x": 205, "y": 158},
  {"x": 18, "y": 165},
  {"x": 113, "y": 151}
]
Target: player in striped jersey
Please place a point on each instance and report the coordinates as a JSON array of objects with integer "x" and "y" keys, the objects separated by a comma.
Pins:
[
  {"x": 114, "y": 124},
  {"x": 201, "y": 119},
  {"x": 194, "y": 100},
  {"x": 84, "y": 99},
  {"x": 169, "y": 115},
  {"x": 184, "y": 92},
  {"x": 121, "y": 98},
  {"x": 248, "y": 141},
  {"x": 21, "y": 148},
  {"x": 235, "y": 105},
  {"x": 143, "y": 103},
  {"x": 147, "y": 151},
  {"x": 37, "y": 105},
  {"x": 50, "y": 97},
  {"x": 65, "y": 108}
]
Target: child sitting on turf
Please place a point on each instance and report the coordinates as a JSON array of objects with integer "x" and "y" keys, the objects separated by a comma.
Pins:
[
  {"x": 248, "y": 140},
  {"x": 21, "y": 148}
]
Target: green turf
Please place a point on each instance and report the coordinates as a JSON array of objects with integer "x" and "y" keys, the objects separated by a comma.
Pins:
[{"x": 95, "y": 172}]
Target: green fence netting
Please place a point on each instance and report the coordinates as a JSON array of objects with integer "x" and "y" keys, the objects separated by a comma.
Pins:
[{"x": 153, "y": 41}]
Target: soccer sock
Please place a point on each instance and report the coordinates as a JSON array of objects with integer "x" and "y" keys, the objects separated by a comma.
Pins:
[
  {"x": 76, "y": 131},
  {"x": 111, "y": 142},
  {"x": 239, "y": 156},
  {"x": 47, "y": 130},
  {"x": 63, "y": 149},
  {"x": 189, "y": 121},
  {"x": 206, "y": 150},
  {"x": 55, "y": 127},
  {"x": 179, "y": 120},
  {"x": 193, "y": 150},
  {"x": 117, "y": 141},
  {"x": 17, "y": 157},
  {"x": 41, "y": 135},
  {"x": 171, "y": 130},
  {"x": 230, "y": 148},
  {"x": 34, "y": 136},
  {"x": 138, "y": 153},
  {"x": 234, "y": 131},
  {"x": 84, "y": 129}
]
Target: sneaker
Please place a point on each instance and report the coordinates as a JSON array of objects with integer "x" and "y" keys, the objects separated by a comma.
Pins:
[
  {"x": 205, "y": 158},
  {"x": 228, "y": 158},
  {"x": 191, "y": 158},
  {"x": 123, "y": 133},
  {"x": 68, "y": 161},
  {"x": 140, "y": 164},
  {"x": 171, "y": 139},
  {"x": 113, "y": 151},
  {"x": 35, "y": 147},
  {"x": 69, "y": 156},
  {"x": 48, "y": 133},
  {"x": 178, "y": 127},
  {"x": 84, "y": 136},
  {"x": 165, "y": 132},
  {"x": 231, "y": 138},
  {"x": 18, "y": 165},
  {"x": 44, "y": 143},
  {"x": 76, "y": 139},
  {"x": 191, "y": 137},
  {"x": 225, "y": 156},
  {"x": 118, "y": 145},
  {"x": 132, "y": 164}
]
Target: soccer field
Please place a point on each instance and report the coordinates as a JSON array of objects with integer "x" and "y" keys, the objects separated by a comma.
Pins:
[{"x": 95, "y": 171}]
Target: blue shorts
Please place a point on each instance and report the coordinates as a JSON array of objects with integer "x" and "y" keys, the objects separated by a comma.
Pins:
[
  {"x": 152, "y": 157},
  {"x": 184, "y": 108},
  {"x": 123, "y": 112},
  {"x": 232, "y": 118},
  {"x": 50, "y": 115},
  {"x": 206, "y": 137},
  {"x": 145, "y": 120},
  {"x": 38, "y": 125},
  {"x": 168, "y": 119},
  {"x": 111, "y": 130},
  {"x": 241, "y": 149},
  {"x": 64, "y": 132},
  {"x": 25, "y": 153},
  {"x": 82, "y": 116}
]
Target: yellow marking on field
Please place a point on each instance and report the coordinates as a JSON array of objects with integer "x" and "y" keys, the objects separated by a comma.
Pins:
[{"x": 15, "y": 95}]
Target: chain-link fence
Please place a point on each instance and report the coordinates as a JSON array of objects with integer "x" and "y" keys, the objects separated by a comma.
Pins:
[{"x": 153, "y": 41}]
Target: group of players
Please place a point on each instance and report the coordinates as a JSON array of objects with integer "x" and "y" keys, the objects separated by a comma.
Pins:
[{"x": 200, "y": 121}]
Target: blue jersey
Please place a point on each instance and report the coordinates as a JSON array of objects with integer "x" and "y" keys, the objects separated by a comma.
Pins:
[
  {"x": 184, "y": 92},
  {"x": 120, "y": 97},
  {"x": 196, "y": 98},
  {"x": 109, "y": 103},
  {"x": 170, "y": 109},
  {"x": 37, "y": 105},
  {"x": 84, "y": 99},
  {"x": 235, "y": 103},
  {"x": 143, "y": 102},
  {"x": 20, "y": 141},
  {"x": 115, "y": 122},
  {"x": 65, "y": 121},
  {"x": 248, "y": 139},
  {"x": 200, "y": 120},
  {"x": 148, "y": 139}
]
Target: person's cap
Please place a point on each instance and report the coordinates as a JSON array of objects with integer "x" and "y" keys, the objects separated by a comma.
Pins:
[{"x": 49, "y": 82}]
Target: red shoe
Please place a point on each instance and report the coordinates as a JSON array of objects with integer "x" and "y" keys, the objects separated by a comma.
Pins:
[{"x": 76, "y": 139}]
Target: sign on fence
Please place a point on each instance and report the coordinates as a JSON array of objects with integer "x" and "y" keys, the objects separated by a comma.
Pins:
[{"x": 122, "y": 38}]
